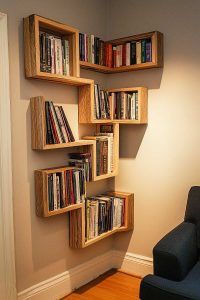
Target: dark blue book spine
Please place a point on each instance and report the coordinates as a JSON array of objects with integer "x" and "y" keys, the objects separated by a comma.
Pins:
[{"x": 133, "y": 53}]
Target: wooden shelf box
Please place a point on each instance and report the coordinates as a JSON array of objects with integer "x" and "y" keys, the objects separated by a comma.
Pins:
[
  {"x": 32, "y": 26},
  {"x": 41, "y": 193},
  {"x": 115, "y": 171},
  {"x": 38, "y": 128},
  {"x": 157, "y": 54},
  {"x": 77, "y": 232},
  {"x": 87, "y": 111}
]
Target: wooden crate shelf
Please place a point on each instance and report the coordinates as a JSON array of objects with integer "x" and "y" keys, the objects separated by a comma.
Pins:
[
  {"x": 38, "y": 128},
  {"x": 87, "y": 111},
  {"x": 96, "y": 177},
  {"x": 41, "y": 193},
  {"x": 77, "y": 232},
  {"x": 157, "y": 55},
  {"x": 32, "y": 26}
]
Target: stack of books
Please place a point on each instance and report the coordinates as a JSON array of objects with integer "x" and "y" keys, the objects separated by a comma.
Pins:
[
  {"x": 104, "y": 153},
  {"x": 103, "y": 213},
  {"x": 65, "y": 188},
  {"x": 102, "y": 105},
  {"x": 57, "y": 127},
  {"x": 96, "y": 51},
  {"x": 54, "y": 54},
  {"x": 82, "y": 161},
  {"x": 125, "y": 105}
]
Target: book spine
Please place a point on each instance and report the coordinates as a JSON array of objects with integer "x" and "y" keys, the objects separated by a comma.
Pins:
[
  {"x": 136, "y": 106},
  {"x": 128, "y": 54},
  {"x": 61, "y": 124},
  {"x": 42, "y": 52},
  {"x": 58, "y": 56},
  {"x": 148, "y": 51},
  {"x": 49, "y": 135},
  {"x": 133, "y": 53},
  {"x": 124, "y": 55},
  {"x": 138, "y": 52},
  {"x": 50, "y": 192},
  {"x": 92, "y": 49},
  {"x": 55, "y": 192},
  {"x": 143, "y": 51},
  {"x": 58, "y": 190},
  {"x": 67, "y": 127}
]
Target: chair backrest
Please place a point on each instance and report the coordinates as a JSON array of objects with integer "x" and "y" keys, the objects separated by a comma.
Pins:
[{"x": 192, "y": 213}]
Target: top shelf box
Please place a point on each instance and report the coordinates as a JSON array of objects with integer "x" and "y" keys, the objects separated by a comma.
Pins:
[
  {"x": 157, "y": 54},
  {"x": 33, "y": 25}
]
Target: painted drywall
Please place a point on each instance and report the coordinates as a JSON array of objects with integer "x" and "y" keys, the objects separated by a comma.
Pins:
[
  {"x": 42, "y": 245},
  {"x": 161, "y": 161}
]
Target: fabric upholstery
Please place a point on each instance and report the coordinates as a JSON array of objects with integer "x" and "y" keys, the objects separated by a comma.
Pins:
[
  {"x": 176, "y": 253},
  {"x": 192, "y": 213},
  {"x": 158, "y": 288}
]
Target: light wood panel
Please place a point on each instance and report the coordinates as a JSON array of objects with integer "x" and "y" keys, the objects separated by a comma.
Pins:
[
  {"x": 113, "y": 285},
  {"x": 157, "y": 54}
]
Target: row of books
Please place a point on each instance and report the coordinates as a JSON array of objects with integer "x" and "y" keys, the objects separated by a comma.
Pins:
[
  {"x": 54, "y": 54},
  {"x": 82, "y": 161},
  {"x": 102, "y": 105},
  {"x": 66, "y": 188},
  {"x": 57, "y": 126},
  {"x": 103, "y": 213},
  {"x": 94, "y": 50},
  {"x": 125, "y": 105}
]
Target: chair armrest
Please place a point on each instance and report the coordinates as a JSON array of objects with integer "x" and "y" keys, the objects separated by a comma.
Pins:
[{"x": 176, "y": 253}]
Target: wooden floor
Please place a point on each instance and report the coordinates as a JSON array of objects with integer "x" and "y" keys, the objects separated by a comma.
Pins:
[{"x": 113, "y": 285}]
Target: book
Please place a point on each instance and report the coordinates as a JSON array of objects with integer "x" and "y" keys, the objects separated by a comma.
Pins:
[
  {"x": 54, "y": 54},
  {"x": 57, "y": 127},
  {"x": 125, "y": 105},
  {"x": 138, "y": 52},
  {"x": 101, "y": 103},
  {"x": 103, "y": 213}
]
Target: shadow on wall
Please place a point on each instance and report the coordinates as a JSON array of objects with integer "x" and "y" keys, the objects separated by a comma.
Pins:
[{"x": 129, "y": 147}]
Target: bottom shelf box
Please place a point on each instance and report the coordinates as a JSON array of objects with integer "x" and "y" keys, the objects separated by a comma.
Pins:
[{"x": 80, "y": 217}]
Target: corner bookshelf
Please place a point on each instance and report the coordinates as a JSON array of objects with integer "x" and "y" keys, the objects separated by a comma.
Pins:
[
  {"x": 157, "y": 54},
  {"x": 77, "y": 217},
  {"x": 87, "y": 106},
  {"x": 35, "y": 24}
]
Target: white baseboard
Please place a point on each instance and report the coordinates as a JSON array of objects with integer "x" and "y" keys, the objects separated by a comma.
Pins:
[
  {"x": 63, "y": 284},
  {"x": 133, "y": 263}
]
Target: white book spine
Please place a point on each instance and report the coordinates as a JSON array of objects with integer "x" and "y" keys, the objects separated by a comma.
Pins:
[
  {"x": 52, "y": 54},
  {"x": 92, "y": 48},
  {"x": 138, "y": 52},
  {"x": 128, "y": 54},
  {"x": 67, "y": 57},
  {"x": 58, "y": 56}
]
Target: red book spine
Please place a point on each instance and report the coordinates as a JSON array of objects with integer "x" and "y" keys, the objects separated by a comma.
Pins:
[
  {"x": 106, "y": 53},
  {"x": 110, "y": 55},
  {"x": 124, "y": 55},
  {"x": 114, "y": 56}
]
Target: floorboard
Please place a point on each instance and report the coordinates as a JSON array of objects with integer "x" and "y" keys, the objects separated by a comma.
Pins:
[{"x": 113, "y": 285}]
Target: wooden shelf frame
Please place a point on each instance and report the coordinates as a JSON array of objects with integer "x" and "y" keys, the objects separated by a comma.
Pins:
[
  {"x": 38, "y": 128},
  {"x": 157, "y": 54},
  {"x": 77, "y": 217},
  {"x": 115, "y": 172},
  {"x": 87, "y": 106},
  {"x": 41, "y": 193},
  {"x": 32, "y": 26}
]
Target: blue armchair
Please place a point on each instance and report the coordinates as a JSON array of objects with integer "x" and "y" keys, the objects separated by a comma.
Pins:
[{"x": 176, "y": 259}]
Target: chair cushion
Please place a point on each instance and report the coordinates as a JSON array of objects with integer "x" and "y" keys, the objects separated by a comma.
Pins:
[
  {"x": 158, "y": 288},
  {"x": 192, "y": 213}
]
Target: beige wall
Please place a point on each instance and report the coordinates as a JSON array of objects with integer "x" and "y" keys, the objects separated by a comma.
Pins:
[
  {"x": 160, "y": 162},
  {"x": 42, "y": 245}
]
